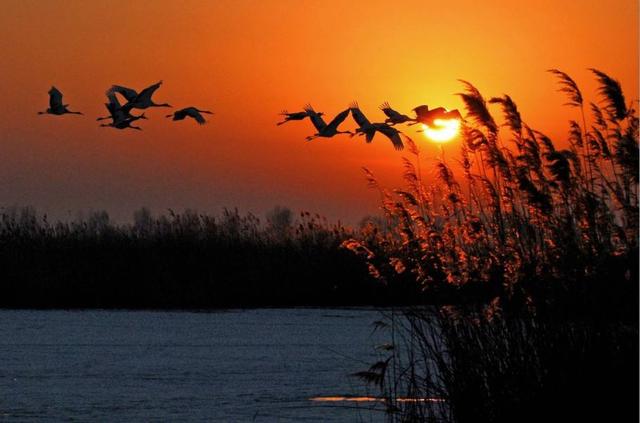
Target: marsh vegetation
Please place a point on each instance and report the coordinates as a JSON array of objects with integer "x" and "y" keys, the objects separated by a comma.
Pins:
[
  {"x": 179, "y": 260},
  {"x": 532, "y": 249}
]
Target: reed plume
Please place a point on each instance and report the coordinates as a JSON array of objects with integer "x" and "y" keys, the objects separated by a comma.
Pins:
[{"x": 612, "y": 96}]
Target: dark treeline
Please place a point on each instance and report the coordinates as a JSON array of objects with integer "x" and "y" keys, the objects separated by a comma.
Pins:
[{"x": 179, "y": 260}]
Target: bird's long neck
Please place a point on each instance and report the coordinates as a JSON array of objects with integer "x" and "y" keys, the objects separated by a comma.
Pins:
[{"x": 206, "y": 111}]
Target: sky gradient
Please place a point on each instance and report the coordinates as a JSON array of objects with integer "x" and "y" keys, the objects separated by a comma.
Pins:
[{"x": 248, "y": 60}]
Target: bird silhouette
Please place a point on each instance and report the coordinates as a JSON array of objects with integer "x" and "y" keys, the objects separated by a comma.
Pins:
[
  {"x": 114, "y": 107},
  {"x": 295, "y": 116},
  {"x": 128, "y": 93},
  {"x": 324, "y": 130},
  {"x": 428, "y": 117},
  {"x": 368, "y": 129},
  {"x": 141, "y": 100},
  {"x": 190, "y": 112},
  {"x": 393, "y": 117},
  {"x": 390, "y": 132},
  {"x": 120, "y": 116},
  {"x": 364, "y": 125},
  {"x": 55, "y": 104}
]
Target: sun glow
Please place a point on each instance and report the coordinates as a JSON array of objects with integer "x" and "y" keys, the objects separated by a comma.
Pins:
[{"x": 443, "y": 130}]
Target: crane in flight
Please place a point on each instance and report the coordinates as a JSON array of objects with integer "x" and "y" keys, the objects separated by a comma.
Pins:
[
  {"x": 428, "y": 117},
  {"x": 138, "y": 100},
  {"x": 191, "y": 112},
  {"x": 326, "y": 130},
  {"x": 119, "y": 115},
  {"x": 368, "y": 129},
  {"x": 55, "y": 104},
  {"x": 393, "y": 117},
  {"x": 295, "y": 116}
]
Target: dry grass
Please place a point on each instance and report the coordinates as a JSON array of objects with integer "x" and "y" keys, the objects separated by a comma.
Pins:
[
  {"x": 523, "y": 217},
  {"x": 535, "y": 248}
]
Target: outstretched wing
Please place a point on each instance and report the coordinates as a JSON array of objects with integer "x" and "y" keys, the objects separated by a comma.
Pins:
[
  {"x": 453, "y": 114},
  {"x": 109, "y": 107},
  {"x": 113, "y": 100},
  {"x": 421, "y": 111},
  {"x": 148, "y": 92},
  {"x": 340, "y": 117},
  {"x": 194, "y": 113},
  {"x": 358, "y": 116},
  {"x": 392, "y": 114},
  {"x": 128, "y": 93},
  {"x": 369, "y": 135},
  {"x": 118, "y": 112},
  {"x": 316, "y": 119},
  {"x": 295, "y": 115},
  {"x": 438, "y": 113},
  {"x": 55, "y": 98},
  {"x": 392, "y": 133}
]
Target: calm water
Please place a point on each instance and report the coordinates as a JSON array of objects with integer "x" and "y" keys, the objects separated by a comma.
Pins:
[{"x": 237, "y": 365}]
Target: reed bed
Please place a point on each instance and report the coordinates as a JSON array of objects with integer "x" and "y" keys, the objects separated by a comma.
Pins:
[
  {"x": 534, "y": 250},
  {"x": 178, "y": 260}
]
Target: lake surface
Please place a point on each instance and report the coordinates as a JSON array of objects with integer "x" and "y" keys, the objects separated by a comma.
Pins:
[{"x": 235, "y": 365}]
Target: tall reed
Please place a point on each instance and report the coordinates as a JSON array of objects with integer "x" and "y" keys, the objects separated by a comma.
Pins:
[
  {"x": 534, "y": 247},
  {"x": 521, "y": 221}
]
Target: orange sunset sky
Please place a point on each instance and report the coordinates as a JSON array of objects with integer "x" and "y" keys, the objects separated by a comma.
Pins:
[{"x": 248, "y": 60}]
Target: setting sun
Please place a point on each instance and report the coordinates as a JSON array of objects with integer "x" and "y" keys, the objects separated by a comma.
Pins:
[{"x": 443, "y": 130}]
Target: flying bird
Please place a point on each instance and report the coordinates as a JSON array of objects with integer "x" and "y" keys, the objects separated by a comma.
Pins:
[
  {"x": 128, "y": 93},
  {"x": 190, "y": 112},
  {"x": 324, "y": 130},
  {"x": 368, "y": 129},
  {"x": 141, "y": 100},
  {"x": 294, "y": 116},
  {"x": 120, "y": 116},
  {"x": 364, "y": 125},
  {"x": 390, "y": 132},
  {"x": 116, "y": 109},
  {"x": 393, "y": 117},
  {"x": 428, "y": 117},
  {"x": 55, "y": 104}
]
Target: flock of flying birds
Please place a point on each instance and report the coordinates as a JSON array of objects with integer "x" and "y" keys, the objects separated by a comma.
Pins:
[
  {"x": 368, "y": 128},
  {"x": 120, "y": 114},
  {"x": 122, "y": 118}
]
